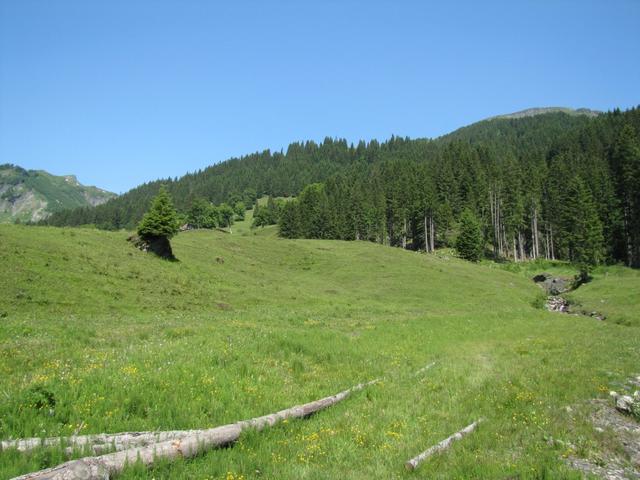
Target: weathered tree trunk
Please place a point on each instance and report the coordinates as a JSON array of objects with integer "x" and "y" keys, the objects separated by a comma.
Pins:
[
  {"x": 426, "y": 235},
  {"x": 103, "y": 466},
  {"x": 433, "y": 232},
  {"x": 521, "y": 245},
  {"x": 493, "y": 224},
  {"x": 505, "y": 243},
  {"x": 440, "y": 447},
  {"x": 404, "y": 233},
  {"x": 536, "y": 238},
  {"x": 99, "y": 443},
  {"x": 498, "y": 228},
  {"x": 547, "y": 251}
]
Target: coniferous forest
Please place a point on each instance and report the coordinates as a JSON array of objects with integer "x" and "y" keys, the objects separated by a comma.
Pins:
[{"x": 554, "y": 186}]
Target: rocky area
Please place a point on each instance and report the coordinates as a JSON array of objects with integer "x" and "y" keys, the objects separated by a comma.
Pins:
[
  {"x": 618, "y": 421},
  {"x": 555, "y": 287},
  {"x": 557, "y": 304}
]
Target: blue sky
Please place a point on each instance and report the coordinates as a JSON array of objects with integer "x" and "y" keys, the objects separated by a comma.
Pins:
[{"x": 124, "y": 92}]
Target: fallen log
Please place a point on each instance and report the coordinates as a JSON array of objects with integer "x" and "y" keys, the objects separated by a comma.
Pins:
[
  {"x": 104, "y": 466},
  {"x": 100, "y": 443},
  {"x": 424, "y": 369},
  {"x": 440, "y": 447}
]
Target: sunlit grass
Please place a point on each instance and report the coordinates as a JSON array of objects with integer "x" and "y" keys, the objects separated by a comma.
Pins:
[{"x": 126, "y": 341}]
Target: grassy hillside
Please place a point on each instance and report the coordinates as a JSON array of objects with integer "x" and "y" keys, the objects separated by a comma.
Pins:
[
  {"x": 31, "y": 195},
  {"x": 614, "y": 292},
  {"x": 247, "y": 324}
]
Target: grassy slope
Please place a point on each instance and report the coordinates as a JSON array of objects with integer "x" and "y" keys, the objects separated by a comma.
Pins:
[
  {"x": 614, "y": 291},
  {"x": 126, "y": 341}
]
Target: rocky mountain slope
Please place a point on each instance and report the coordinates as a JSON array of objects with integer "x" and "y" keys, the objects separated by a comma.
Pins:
[{"x": 31, "y": 195}]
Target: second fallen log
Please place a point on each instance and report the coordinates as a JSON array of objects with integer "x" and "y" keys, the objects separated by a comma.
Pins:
[{"x": 440, "y": 447}]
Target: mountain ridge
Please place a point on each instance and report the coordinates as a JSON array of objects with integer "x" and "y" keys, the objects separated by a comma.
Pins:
[
  {"x": 33, "y": 195},
  {"x": 530, "y": 112}
]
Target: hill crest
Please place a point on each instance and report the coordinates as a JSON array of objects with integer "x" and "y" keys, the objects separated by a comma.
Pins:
[{"x": 531, "y": 112}]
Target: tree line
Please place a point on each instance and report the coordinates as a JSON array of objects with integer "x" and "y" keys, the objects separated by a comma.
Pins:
[
  {"x": 576, "y": 199},
  {"x": 285, "y": 174},
  {"x": 551, "y": 186}
]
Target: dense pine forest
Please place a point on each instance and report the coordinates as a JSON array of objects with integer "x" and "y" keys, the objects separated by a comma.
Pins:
[{"x": 554, "y": 185}]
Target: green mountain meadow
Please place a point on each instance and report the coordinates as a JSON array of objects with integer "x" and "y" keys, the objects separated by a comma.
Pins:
[{"x": 115, "y": 339}]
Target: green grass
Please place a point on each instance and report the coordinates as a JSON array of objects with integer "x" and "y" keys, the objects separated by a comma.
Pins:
[
  {"x": 243, "y": 227},
  {"x": 614, "y": 292},
  {"x": 126, "y": 341}
]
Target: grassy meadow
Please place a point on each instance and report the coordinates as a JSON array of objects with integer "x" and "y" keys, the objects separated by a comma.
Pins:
[{"x": 96, "y": 336}]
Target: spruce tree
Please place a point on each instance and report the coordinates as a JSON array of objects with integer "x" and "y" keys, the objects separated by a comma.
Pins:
[
  {"x": 199, "y": 215},
  {"x": 469, "y": 243},
  {"x": 161, "y": 220},
  {"x": 159, "y": 224},
  {"x": 289, "y": 225},
  {"x": 626, "y": 166},
  {"x": 583, "y": 226}
]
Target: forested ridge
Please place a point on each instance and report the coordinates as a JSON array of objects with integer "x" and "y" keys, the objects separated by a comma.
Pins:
[{"x": 552, "y": 185}]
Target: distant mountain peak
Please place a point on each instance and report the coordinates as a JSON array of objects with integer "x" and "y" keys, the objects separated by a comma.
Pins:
[
  {"x": 32, "y": 195},
  {"x": 530, "y": 112}
]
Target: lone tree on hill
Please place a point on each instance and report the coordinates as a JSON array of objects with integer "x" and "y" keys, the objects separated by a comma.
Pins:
[
  {"x": 469, "y": 243},
  {"x": 159, "y": 224}
]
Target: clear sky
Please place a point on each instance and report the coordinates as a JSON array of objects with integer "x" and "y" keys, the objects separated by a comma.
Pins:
[{"x": 124, "y": 92}]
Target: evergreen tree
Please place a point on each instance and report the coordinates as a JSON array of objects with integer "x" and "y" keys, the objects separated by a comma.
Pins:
[
  {"x": 584, "y": 228},
  {"x": 314, "y": 218},
  {"x": 260, "y": 217},
  {"x": 469, "y": 243},
  {"x": 226, "y": 215},
  {"x": 289, "y": 225},
  {"x": 272, "y": 211},
  {"x": 626, "y": 165},
  {"x": 239, "y": 208},
  {"x": 159, "y": 224},
  {"x": 201, "y": 214},
  {"x": 161, "y": 220}
]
